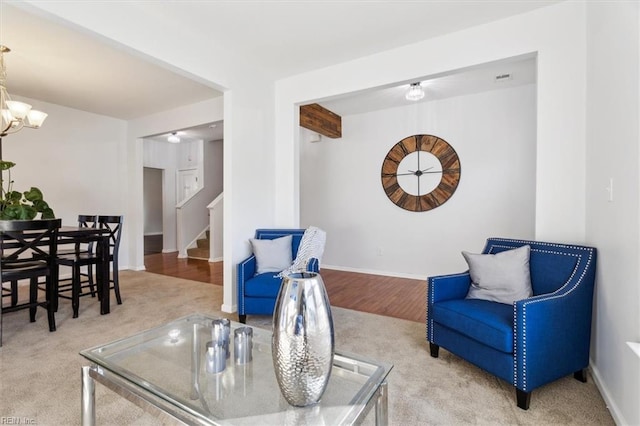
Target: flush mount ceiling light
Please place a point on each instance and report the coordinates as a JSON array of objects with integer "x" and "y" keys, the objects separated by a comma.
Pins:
[
  {"x": 415, "y": 92},
  {"x": 174, "y": 138},
  {"x": 15, "y": 115}
]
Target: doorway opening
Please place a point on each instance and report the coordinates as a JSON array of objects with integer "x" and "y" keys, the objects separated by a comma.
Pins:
[{"x": 152, "y": 182}]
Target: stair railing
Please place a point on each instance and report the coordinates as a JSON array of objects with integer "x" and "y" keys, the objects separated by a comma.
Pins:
[
  {"x": 190, "y": 221},
  {"x": 215, "y": 228}
]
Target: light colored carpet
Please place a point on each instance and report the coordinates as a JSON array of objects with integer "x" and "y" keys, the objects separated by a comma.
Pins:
[{"x": 40, "y": 371}]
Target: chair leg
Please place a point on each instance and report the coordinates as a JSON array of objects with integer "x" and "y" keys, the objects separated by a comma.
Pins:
[
  {"x": 90, "y": 279},
  {"x": 33, "y": 299},
  {"x": 75, "y": 290},
  {"x": 14, "y": 293},
  {"x": 116, "y": 285},
  {"x": 523, "y": 398},
  {"x": 0, "y": 320},
  {"x": 54, "y": 293},
  {"x": 51, "y": 295},
  {"x": 242, "y": 319},
  {"x": 581, "y": 375},
  {"x": 434, "y": 349},
  {"x": 98, "y": 281}
]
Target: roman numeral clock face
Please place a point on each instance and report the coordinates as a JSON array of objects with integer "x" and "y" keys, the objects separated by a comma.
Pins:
[{"x": 420, "y": 173}]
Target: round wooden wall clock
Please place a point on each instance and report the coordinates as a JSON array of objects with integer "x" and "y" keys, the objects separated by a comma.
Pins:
[{"x": 420, "y": 173}]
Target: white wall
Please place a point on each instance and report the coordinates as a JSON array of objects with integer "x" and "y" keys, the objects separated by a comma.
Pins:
[
  {"x": 76, "y": 159},
  {"x": 193, "y": 213},
  {"x": 249, "y": 190},
  {"x": 213, "y": 166},
  {"x": 341, "y": 191},
  {"x": 613, "y": 135},
  {"x": 214, "y": 178},
  {"x": 171, "y": 158},
  {"x": 164, "y": 156},
  {"x": 556, "y": 33},
  {"x": 152, "y": 201}
]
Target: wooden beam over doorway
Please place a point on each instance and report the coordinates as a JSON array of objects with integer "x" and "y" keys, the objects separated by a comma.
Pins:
[{"x": 319, "y": 119}]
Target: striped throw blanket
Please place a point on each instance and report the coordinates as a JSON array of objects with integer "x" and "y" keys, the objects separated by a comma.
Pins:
[{"x": 311, "y": 246}]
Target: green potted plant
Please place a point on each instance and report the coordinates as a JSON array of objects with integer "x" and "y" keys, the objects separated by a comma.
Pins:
[{"x": 16, "y": 205}]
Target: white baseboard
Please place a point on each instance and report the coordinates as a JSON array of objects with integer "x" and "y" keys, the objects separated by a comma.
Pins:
[
  {"x": 171, "y": 250},
  {"x": 151, "y": 234},
  {"x": 606, "y": 395},
  {"x": 373, "y": 272},
  {"x": 215, "y": 259},
  {"x": 229, "y": 309}
]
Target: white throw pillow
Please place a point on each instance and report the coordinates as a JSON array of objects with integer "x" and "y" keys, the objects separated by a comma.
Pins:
[
  {"x": 502, "y": 277},
  {"x": 272, "y": 255}
]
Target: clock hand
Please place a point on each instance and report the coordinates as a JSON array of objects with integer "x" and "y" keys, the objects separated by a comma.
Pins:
[
  {"x": 424, "y": 171},
  {"x": 419, "y": 172}
]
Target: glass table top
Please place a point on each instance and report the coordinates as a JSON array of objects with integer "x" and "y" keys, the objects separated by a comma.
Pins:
[{"x": 169, "y": 362}]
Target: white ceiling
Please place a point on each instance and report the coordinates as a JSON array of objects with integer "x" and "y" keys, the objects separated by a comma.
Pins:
[
  {"x": 57, "y": 64},
  {"x": 60, "y": 65},
  {"x": 206, "y": 132},
  {"x": 287, "y": 37},
  {"x": 482, "y": 78}
]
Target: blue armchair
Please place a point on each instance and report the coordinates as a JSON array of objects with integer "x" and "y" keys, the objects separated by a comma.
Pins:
[
  {"x": 257, "y": 293},
  {"x": 534, "y": 341}
]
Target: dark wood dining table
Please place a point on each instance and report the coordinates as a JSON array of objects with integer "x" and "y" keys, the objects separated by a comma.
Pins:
[{"x": 76, "y": 234}]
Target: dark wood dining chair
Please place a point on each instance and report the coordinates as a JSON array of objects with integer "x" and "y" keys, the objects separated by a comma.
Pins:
[
  {"x": 28, "y": 251},
  {"x": 77, "y": 260},
  {"x": 11, "y": 291},
  {"x": 114, "y": 225},
  {"x": 86, "y": 275}
]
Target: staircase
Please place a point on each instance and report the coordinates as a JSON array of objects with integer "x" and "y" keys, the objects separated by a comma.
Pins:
[{"x": 202, "y": 249}]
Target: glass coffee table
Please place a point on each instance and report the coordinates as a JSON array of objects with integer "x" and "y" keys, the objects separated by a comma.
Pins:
[{"x": 164, "y": 371}]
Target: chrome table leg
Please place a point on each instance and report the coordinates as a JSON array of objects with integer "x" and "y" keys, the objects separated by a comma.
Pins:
[
  {"x": 382, "y": 406},
  {"x": 88, "y": 408}
]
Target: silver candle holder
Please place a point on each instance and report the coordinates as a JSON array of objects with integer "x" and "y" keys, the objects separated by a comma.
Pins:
[
  {"x": 243, "y": 345},
  {"x": 220, "y": 332},
  {"x": 216, "y": 357}
]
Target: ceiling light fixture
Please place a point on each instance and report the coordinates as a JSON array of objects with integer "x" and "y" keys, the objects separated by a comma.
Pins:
[
  {"x": 415, "y": 92},
  {"x": 174, "y": 138},
  {"x": 15, "y": 115}
]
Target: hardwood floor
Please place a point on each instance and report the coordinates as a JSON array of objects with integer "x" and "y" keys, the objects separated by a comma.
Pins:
[
  {"x": 394, "y": 297},
  {"x": 152, "y": 244},
  {"x": 390, "y": 296},
  {"x": 190, "y": 269}
]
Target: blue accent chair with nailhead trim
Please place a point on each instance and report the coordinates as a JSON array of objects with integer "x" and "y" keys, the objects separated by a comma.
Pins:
[
  {"x": 257, "y": 294},
  {"x": 532, "y": 342}
]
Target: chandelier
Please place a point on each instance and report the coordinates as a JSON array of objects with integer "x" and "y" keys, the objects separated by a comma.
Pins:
[{"x": 15, "y": 115}]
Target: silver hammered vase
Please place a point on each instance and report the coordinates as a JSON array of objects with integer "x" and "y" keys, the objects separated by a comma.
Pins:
[{"x": 303, "y": 343}]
